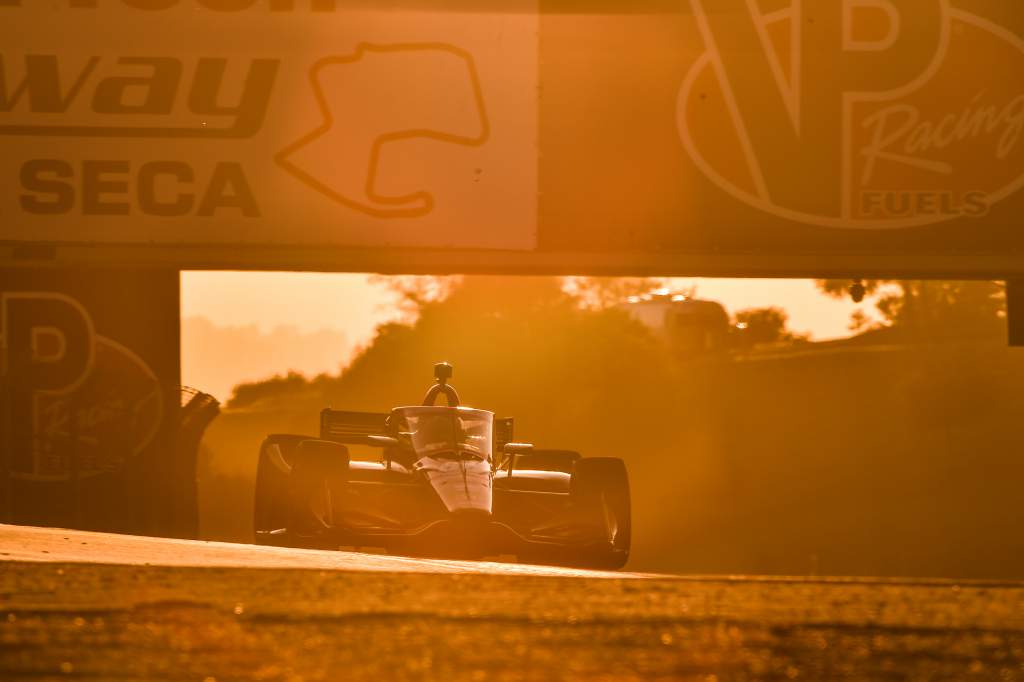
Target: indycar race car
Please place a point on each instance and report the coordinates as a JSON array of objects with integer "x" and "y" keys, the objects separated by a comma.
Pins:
[{"x": 450, "y": 481}]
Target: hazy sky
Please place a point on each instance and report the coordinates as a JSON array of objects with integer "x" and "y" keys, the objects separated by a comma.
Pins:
[
  {"x": 351, "y": 305},
  {"x": 309, "y": 301}
]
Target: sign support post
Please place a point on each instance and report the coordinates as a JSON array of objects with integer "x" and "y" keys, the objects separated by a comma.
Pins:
[{"x": 1015, "y": 312}]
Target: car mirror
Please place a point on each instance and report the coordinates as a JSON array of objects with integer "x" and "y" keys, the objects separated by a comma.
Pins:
[
  {"x": 383, "y": 441},
  {"x": 517, "y": 448}
]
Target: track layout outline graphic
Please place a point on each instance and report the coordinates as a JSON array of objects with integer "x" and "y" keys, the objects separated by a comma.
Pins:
[{"x": 376, "y": 203}]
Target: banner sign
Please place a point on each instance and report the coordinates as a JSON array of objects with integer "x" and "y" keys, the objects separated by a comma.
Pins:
[
  {"x": 736, "y": 137},
  {"x": 261, "y": 123}
]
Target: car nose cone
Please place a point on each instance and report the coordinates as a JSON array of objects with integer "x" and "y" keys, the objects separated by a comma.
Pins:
[
  {"x": 464, "y": 487},
  {"x": 471, "y": 516}
]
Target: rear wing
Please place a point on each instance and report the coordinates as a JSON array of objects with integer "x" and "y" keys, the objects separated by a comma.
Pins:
[
  {"x": 504, "y": 432},
  {"x": 351, "y": 427},
  {"x": 346, "y": 427}
]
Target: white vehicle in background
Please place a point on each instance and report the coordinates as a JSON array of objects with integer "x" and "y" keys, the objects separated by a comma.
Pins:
[{"x": 690, "y": 326}]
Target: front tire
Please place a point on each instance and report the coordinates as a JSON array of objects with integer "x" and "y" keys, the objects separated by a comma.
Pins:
[
  {"x": 600, "y": 491},
  {"x": 296, "y": 477},
  {"x": 320, "y": 469},
  {"x": 272, "y": 495}
]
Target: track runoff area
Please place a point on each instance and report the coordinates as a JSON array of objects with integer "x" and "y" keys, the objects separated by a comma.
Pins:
[{"x": 98, "y": 606}]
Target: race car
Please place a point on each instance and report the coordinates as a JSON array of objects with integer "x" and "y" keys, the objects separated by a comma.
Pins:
[{"x": 449, "y": 481}]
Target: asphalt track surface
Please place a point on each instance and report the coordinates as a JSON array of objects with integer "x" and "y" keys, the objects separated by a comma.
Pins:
[{"x": 77, "y": 605}]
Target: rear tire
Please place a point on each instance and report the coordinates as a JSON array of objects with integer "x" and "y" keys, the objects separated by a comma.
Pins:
[
  {"x": 549, "y": 460},
  {"x": 600, "y": 490}
]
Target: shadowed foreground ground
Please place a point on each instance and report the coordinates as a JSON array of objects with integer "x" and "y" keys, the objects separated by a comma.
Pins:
[{"x": 223, "y": 612}]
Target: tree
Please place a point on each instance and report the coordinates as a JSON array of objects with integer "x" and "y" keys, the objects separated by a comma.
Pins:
[
  {"x": 840, "y": 288},
  {"x": 765, "y": 325},
  {"x": 416, "y": 291},
  {"x": 930, "y": 307},
  {"x": 861, "y": 321},
  {"x": 520, "y": 344}
]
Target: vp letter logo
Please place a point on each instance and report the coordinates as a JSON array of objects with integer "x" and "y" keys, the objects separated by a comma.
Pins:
[
  {"x": 78, "y": 401},
  {"x": 867, "y": 114},
  {"x": 376, "y": 104}
]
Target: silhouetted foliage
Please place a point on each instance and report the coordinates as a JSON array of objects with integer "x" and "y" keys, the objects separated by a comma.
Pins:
[
  {"x": 415, "y": 291},
  {"x": 510, "y": 339},
  {"x": 765, "y": 326},
  {"x": 862, "y": 322},
  {"x": 250, "y": 393},
  {"x": 930, "y": 308}
]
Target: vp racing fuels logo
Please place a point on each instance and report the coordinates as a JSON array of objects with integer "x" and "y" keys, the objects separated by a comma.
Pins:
[
  {"x": 856, "y": 113},
  {"x": 378, "y": 106}
]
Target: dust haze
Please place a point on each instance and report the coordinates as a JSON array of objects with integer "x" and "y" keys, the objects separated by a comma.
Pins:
[{"x": 890, "y": 453}]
